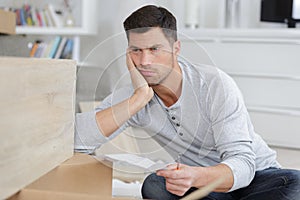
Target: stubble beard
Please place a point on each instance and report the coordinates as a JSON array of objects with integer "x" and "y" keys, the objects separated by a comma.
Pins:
[{"x": 160, "y": 80}]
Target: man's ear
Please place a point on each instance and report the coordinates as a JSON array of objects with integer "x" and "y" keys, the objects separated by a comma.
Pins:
[{"x": 177, "y": 47}]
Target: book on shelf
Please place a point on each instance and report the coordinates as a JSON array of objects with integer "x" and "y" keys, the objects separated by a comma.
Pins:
[
  {"x": 28, "y": 15},
  {"x": 39, "y": 21},
  {"x": 18, "y": 17},
  {"x": 22, "y": 17},
  {"x": 61, "y": 47},
  {"x": 47, "y": 49},
  {"x": 34, "y": 49},
  {"x": 67, "y": 53},
  {"x": 55, "y": 16},
  {"x": 55, "y": 45},
  {"x": 34, "y": 17},
  {"x": 40, "y": 50},
  {"x": 47, "y": 19},
  {"x": 57, "y": 48},
  {"x": 43, "y": 18}
]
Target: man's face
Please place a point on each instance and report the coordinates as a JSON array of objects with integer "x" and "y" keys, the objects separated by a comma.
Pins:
[{"x": 152, "y": 54}]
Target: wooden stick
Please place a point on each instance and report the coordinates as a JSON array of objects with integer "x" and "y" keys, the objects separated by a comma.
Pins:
[{"x": 204, "y": 191}]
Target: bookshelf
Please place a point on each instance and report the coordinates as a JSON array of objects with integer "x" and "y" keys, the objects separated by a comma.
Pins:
[
  {"x": 83, "y": 14},
  {"x": 53, "y": 31},
  {"x": 83, "y": 11}
]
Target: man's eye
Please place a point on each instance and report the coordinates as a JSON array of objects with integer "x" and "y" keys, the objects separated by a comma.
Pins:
[
  {"x": 154, "y": 49},
  {"x": 135, "y": 50}
]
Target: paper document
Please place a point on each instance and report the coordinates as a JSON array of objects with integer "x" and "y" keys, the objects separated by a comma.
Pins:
[{"x": 139, "y": 161}]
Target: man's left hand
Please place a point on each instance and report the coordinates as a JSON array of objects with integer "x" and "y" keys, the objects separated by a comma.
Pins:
[{"x": 179, "y": 178}]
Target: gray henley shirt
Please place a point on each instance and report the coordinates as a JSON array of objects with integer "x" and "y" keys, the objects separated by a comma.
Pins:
[{"x": 208, "y": 125}]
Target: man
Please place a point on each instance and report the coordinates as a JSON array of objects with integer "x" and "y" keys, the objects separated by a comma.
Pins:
[{"x": 194, "y": 111}]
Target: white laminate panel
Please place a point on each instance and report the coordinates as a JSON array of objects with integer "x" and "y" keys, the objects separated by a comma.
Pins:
[
  {"x": 245, "y": 57},
  {"x": 277, "y": 129},
  {"x": 269, "y": 92}
]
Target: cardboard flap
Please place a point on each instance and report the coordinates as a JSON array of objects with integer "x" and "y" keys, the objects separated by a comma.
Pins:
[
  {"x": 80, "y": 177},
  {"x": 80, "y": 174},
  {"x": 31, "y": 194},
  {"x": 7, "y": 22}
]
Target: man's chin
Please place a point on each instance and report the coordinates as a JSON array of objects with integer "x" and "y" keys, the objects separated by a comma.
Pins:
[{"x": 152, "y": 83}]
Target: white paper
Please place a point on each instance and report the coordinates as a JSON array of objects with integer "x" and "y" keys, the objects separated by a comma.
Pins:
[{"x": 139, "y": 161}]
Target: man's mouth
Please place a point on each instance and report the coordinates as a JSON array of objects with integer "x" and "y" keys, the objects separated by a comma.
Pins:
[{"x": 147, "y": 73}]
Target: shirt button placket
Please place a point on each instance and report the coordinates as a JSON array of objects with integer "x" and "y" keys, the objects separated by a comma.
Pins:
[{"x": 177, "y": 125}]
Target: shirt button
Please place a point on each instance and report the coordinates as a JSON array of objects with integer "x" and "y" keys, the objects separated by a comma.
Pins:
[
  {"x": 173, "y": 118},
  {"x": 177, "y": 124},
  {"x": 167, "y": 110},
  {"x": 181, "y": 134}
]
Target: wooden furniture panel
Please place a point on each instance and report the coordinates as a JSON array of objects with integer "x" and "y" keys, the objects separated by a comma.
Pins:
[{"x": 37, "y": 119}]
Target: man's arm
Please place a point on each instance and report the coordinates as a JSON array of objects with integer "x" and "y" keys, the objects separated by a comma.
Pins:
[{"x": 110, "y": 119}]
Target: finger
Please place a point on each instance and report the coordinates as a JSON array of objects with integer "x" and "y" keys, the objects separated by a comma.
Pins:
[
  {"x": 179, "y": 182},
  {"x": 129, "y": 61},
  {"x": 137, "y": 79},
  {"x": 173, "y": 174},
  {"x": 169, "y": 167},
  {"x": 172, "y": 166},
  {"x": 175, "y": 189}
]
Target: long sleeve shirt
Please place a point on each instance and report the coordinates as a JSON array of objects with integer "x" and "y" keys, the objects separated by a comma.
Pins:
[{"x": 208, "y": 125}]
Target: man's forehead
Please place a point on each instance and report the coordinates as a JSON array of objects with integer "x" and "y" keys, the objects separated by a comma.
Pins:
[{"x": 152, "y": 37}]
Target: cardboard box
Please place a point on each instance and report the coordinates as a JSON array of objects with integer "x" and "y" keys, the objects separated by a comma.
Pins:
[
  {"x": 37, "y": 105},
  {"x": 7, "y": 22},
  {"x": 81, "y": 177}
]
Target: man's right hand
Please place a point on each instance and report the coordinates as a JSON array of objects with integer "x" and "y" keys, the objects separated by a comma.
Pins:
[
  {"x": 142, "y": 92},
  {"x": 110, "y": 119}
]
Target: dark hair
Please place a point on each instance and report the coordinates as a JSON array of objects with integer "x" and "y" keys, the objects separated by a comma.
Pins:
[{"x": 151, "y": 16}]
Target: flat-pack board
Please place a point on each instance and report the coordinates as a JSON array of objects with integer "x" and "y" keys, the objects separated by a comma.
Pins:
[{"x": 37, "y": 105}]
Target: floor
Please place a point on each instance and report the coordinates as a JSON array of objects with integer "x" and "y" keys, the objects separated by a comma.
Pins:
[{"x": 288, "y": 158}]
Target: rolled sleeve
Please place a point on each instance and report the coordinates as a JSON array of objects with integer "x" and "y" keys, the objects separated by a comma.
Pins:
[
  {"x": 243, "y": 172},
  {"x": 87, "y": 134}
]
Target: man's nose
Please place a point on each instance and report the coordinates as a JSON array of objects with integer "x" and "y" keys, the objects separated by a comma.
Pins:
[{"x": 146, "y": 58}]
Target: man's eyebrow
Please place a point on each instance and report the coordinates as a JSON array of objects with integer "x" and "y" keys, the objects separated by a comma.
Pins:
[
  {"x": 133, "y": 47},
  {"x": 155, "y": 45}
]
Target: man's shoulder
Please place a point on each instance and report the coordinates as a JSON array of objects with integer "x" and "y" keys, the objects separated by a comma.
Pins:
[{"x": 202, "y": 71}]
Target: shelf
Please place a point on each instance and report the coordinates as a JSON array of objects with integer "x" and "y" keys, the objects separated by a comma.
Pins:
[
  {"x": 265, "y": 76},
  {"x": 275, "y": 110},
  {"x": 84, "y": 14},
  {"x": 52, "y": 31}
]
